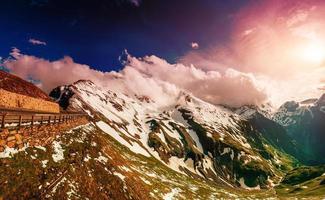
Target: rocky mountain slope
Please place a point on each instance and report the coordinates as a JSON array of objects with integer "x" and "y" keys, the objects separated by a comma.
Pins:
[
  {"x": 134, "y": 148},
  {"x": 304, "y": 121},
  {"x": 15, "y": 84},
  {"x": 191, "y": 136},
  {"x": 87, "y": 163}
]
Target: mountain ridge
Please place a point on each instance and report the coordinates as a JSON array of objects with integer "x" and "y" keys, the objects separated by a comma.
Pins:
[
  {"x": 200, "y": 138},
  {"x": 16, "y": 84},
  {"x": 135, "y": 148}
]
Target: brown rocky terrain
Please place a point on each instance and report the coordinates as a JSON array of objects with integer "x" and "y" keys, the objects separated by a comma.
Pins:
[
  {"x": 16, "y": 93},
  {"x": 17, "y": 85},
  {"x": 92, "y": 165},
  {"x": 13, "y": 100}
]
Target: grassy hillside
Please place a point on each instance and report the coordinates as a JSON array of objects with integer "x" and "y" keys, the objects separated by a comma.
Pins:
[
  {"x": 305, "y": 181},
  {"x": 87, "y": 163}
]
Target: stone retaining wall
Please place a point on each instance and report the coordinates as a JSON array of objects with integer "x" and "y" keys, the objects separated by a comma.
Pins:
[
  {"x": 40, "y": 135},
  {"x": 18, "y": 101}
]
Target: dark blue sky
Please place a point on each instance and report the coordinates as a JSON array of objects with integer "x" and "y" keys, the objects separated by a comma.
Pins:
[{"x": 96, "y": 32}]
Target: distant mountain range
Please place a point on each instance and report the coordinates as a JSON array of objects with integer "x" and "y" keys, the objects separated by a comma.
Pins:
[{"x": 304, "y": 122}]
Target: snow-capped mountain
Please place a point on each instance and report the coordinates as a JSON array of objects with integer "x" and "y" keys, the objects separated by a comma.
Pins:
[
  {"x": 249, "y": 111},
  {"x": 190, "y": 136}
]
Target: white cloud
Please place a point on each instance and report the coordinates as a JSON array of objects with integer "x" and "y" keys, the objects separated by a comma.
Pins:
[
  {"x": 297, "y": 17},
  {"x": 231, "y": 87},
  {"x": 36, "y": 42},
  {"x": 194, "y": 45},
  {"x": 15, "y": 53},
  {"x": 248, "y": 31},
  {"x": 281, "y": 41},
  {"x": 150, "y": 76}
]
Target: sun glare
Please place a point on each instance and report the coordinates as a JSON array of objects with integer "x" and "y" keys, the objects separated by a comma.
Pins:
[{"x": 314, "y": 53}]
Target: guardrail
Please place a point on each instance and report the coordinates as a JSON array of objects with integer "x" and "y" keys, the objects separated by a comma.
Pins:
[{"x": 13, "y": 119}]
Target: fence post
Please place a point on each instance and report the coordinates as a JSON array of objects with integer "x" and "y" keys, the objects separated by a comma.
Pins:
[
  {"x": 20, "y": 120},
  {"x": 3, "y": 121},
  {"x": 54, "y": 119},
  {"x": 32, "y": 122},
  {"x": 49, "y": 122},
  {"x": 41, "y": 120}
]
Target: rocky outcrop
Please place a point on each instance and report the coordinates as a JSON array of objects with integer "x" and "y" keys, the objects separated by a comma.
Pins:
[
  {"x": 17, "y": 85},
  {"x": 62, "y": 94}
]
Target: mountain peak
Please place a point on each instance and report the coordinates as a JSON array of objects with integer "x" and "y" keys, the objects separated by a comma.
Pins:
[
  {"x": 87, "y": 82},
  {"x": 321, "y": 101},
  {"x": 290, "y": 106}
]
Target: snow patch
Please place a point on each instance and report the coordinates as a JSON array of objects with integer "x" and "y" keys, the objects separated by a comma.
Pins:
[
  {"x": 44, "y": 163},
  {"x": 171, "y": 195},
  {"x": 41, "y": 148},
  {"x": 10, "y": 152},
  {"x": 121, "y": 176},
  {"x": 101, "y": 159},
  {"x": 58, "y": 152},
  {"x": 134, "y": 146}
]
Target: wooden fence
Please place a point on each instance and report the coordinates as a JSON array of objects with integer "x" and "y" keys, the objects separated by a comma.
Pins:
[{"x": 12, "y": 119}]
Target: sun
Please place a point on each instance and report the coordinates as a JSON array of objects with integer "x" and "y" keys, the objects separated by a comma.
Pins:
[{"x": 313, "y": 52}]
